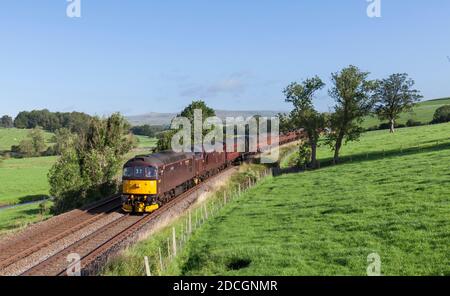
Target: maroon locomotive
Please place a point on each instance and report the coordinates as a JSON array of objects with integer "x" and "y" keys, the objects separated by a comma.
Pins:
[{"x": 151, "y": 180}]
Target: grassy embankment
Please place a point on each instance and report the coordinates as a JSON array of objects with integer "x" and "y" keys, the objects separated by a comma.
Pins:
[{"x": 393, "y": 201}]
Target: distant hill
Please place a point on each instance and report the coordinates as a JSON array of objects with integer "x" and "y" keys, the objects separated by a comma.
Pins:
[
  {"x": 423, "y": 112},
  {"x": 153, "y": 118}
]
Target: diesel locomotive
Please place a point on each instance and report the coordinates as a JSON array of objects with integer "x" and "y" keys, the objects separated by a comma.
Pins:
[{"x": 151, "y": 180}]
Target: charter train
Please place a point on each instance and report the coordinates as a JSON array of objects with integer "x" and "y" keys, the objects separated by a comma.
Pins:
[{"x": 149, "y": 181}]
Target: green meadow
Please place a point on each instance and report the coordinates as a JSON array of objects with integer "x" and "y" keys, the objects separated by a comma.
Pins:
[
  {"x": 146, "y": 142},
  {"x": 423, "y": 113},
  {"x": 13, "y": 219},
  {"x": 24, "y": 179},
  {"x": 392, "y": 201},
  {"x": 13, "y": 136}
]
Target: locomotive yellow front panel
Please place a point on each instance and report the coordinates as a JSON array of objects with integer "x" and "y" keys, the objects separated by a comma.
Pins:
[{"x": 147, "y": 187}]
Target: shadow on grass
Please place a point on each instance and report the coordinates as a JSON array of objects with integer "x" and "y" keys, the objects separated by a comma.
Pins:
[
  {"x": 33, "y": 198},
  {"x": 370, "y": 156}
]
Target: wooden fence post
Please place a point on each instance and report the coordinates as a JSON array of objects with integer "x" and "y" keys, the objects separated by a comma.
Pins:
[
  {"x": 190, "y": 222},
  {"x": 168, "y": 248},
  {"x": 206, "y": 210},
  {"x": 147, "y": 266},
  {"x": 160, "y": 261},
  {"x": 174, "y": 242}
]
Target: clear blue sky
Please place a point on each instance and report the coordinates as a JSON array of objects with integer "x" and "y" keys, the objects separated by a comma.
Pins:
[{"x": 141, "y": 56}]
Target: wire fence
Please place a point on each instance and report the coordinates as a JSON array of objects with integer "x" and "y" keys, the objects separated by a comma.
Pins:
[{"x": 173, "y": 245}]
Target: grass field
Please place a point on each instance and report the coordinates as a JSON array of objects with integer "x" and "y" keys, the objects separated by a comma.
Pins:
[
  {"x": 17, "y": 218},
  {"x": 327, "y": 222},
  {"x": 382, "y": 142},
  {"x": 24, "y": 179},
  {"x": 146, "y": 142},
  {"x": 13, "y": 136},
  {"x": 423, "y": 112}
]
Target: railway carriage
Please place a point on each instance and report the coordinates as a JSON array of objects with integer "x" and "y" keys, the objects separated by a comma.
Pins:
[{"x": 151, "y": 180}]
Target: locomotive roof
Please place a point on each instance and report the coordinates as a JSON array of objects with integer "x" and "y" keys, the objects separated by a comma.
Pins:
[{"x": 159, "y": 159}]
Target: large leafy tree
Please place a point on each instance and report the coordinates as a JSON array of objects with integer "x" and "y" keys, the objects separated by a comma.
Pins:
[
  {"x": 34, "y": 144},
  {"x": 88, "y": 169},
  {"x": 395, "y": 95},
  {"x": 164, "y": 139},
  {"x": 304, "y": 115},
  {"x": 353, "y": 94},
  {"x": 6, "y": 121}
]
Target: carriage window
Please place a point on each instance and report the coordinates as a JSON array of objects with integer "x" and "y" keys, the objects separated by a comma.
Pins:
[
  {"x": 150, "y": 172},
  {"x": 128, "y": 172},
  {"x": 139, "y": 172}
]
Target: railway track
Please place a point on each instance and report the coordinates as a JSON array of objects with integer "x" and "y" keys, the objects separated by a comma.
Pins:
[
  {"x": 91, "y": 247},
  {"x": 43, "y": 249},
  {"x": 32, "y": 240}
]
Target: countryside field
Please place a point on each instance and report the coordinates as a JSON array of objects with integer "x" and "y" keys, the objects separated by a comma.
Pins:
[
  {"x": 423, "y": 113},
  {"x": 16, "y": 218},
  {"x": 13, "y": 136},
  {"x": 326, "y": 222},
  {"x": 146, "y": 142},
  {"x": 24, "y": 179}
]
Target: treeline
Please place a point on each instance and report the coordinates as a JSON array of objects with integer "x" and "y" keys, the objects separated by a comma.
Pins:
[
  {"x": 150, "y": 131},
  {"x": 52, "y": 121},
  {"x": 6, "y": 121},
  {"x": 356, "y": 96}
]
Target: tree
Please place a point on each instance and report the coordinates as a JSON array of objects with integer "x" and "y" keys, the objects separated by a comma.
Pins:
[
  {"x": 63, "y": 140},
  {"x": 164, "y": 139},
  {"x": 304, "y": 115},
  {"x": 77, "y": 122},
  {"x": 285, "y": 122},
  {"x": 147, "y": 130},
  {"x": 394, "y": 96},
  {"x": 6, "y": 122},
  {"x": 353, "y": 95},
  {"x": 34, "y": 144},
  {"x": 88, "y": 169},
  {"x": 442, "y": 114}
]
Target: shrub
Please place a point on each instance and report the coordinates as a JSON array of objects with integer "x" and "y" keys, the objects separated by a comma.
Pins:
[
  {"x": 411, "y": 122},
  {"x": 88, "y": 169},
  {"x": 442, "y": 114},
  {"x": 387, "y": 125}
]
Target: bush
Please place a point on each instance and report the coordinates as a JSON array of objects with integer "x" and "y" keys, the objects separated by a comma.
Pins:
[
  {"x": 411, "y": 122},
  {"x": 88, "y": 169},
  {"x": 387, "y": 125},
  {"x": 442, "y": 114},
  {"x": 372, "y": 128}
]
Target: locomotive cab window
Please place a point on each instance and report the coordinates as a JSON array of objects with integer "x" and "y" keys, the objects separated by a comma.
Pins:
[
  {"x": 128, "y": 172},
  {"x": 139, "y": 172},
  {"x": 151, "y": 172}
]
